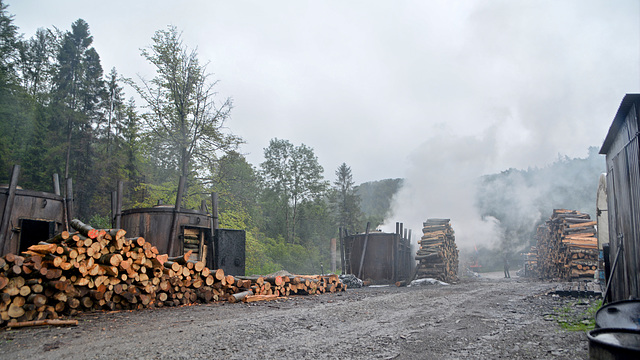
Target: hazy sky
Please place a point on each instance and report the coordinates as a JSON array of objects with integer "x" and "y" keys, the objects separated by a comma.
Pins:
[{"x": 392, "y": 88}]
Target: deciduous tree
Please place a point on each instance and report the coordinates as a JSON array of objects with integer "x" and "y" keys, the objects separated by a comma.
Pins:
[
  {"x": 183, "y": 115},
  {"x": 293, "y": 175}
]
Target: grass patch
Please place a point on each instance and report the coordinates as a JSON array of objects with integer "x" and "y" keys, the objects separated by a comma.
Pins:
[{"x": 578, "y": 315}]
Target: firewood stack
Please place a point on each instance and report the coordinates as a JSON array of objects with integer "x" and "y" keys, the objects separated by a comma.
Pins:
[
  {"x": 568, "y": 248},
  {"x": 438, "y": 254},
  {"x": 102, "y": 270}
]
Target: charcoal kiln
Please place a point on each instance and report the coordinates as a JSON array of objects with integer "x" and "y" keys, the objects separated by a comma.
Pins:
[
  {"x": 380, "y": 257},
  {"x": 175, "y": 231},
  {"x": 29, "y": 216}
]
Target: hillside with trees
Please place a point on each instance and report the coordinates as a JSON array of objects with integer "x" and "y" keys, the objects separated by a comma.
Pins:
[{"x": 520, "y": 200}]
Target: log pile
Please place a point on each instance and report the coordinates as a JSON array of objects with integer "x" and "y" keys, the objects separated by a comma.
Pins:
[
  {"x": 438, "y": 253},
  {"x": 567, "y": 246},
  {"x": 103, "y": 270}
]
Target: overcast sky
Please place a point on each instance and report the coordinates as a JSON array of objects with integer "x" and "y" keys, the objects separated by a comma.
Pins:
[{"x": 389, "y": 86}]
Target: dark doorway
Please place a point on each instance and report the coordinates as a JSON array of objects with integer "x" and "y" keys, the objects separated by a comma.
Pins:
[{"x": 34, "y": 231}]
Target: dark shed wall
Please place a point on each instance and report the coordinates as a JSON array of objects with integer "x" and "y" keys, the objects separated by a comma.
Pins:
[
  {"x": 379, "y": 256},
  {"x": 31, "y": 205},
  {"x": 623, "y": 189},
  {"x": 387, "y": 257}
]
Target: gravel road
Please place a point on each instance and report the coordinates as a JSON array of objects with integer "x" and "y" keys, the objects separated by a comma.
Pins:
[{"x": 477, "y": 318}]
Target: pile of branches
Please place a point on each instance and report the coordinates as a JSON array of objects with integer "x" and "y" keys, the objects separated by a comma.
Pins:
[
  {"x": 567, "y": 246},
  {"x": 95, "y": 269},
  {"x": 438, "y": 253}
]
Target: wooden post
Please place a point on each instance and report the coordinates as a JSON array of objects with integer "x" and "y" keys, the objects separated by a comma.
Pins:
[
  {"x": 119, "y": 196},
  {"x": 409, "y": 261},
  {"x": 214, "y": 209},
  {"x": 333, "y": 255},
  {"x": 213, "y": 225},
  {"x": 364, "y": 250},
  {"x": 174, "y": 222},
  {"x": 8, "y": 207},
  {"x": 56, "y": 184},
  {"x": 342, "y": 269},
  {"x": 69, "y": 201},
  {"x": 114, "y": 201}
]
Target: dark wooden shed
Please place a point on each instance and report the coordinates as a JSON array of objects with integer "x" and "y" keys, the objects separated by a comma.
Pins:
[
  {"x": 29, "y": 216},
  {"x": 623, "y": 199},
  {"x": 385, "y": 257}
]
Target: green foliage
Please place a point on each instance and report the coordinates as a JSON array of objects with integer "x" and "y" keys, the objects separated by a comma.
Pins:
[
  {"x": 100, "y": 221},
  {"x": 292, "y": 176},
  {"x": 257, "y": 260},
  {"x": 8, "y": 45},
  {"x": 184, "y": 123},
  {"x": 345, "y": 201},
  {"x": 294, "y": 258}
]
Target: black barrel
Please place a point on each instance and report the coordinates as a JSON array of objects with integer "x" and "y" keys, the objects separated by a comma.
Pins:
[
  {"x": 614, "y": 344},
  {"x": 620, "y": 314}
]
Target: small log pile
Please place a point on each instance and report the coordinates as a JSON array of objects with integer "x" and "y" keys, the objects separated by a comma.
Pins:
[
  {"x": 438, "y": 253},
  {"x": 567, "y": 246},
  {"x": 95, "y": 269}
]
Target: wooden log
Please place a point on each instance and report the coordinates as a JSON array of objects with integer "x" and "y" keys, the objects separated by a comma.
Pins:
[
  {"x": 50, "y": 322},
  {"x": 233, "y": 298},
  {"x": 253, "y": 298},
  {"x": 84, "y": 229}
]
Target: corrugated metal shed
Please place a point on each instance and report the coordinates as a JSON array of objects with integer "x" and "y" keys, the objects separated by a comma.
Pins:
[{"x": 622, "y": 152}]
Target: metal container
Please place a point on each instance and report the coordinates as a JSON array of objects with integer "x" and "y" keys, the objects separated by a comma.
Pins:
[
  {"x": 614, "y": 344},
  {"x": 621, "y": 314}
]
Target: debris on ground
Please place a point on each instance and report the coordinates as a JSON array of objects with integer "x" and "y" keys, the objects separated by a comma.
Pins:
[
  {"x": 351, "y": 281},
  {"x": 427, "y": 281}
]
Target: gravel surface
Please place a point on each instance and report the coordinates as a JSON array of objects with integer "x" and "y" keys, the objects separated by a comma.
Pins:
[{"x": 477, "y": 318}]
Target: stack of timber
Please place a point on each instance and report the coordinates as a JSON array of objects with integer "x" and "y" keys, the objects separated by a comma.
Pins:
[
  {"x": 438, "y": 254},
  {"x": 95, "y": 269},
  {"x": 192, "y": 242},
  {"x": 568, "y": 247}
]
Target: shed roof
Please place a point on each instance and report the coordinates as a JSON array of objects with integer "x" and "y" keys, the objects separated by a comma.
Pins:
[{"x": 623, "y": 110}]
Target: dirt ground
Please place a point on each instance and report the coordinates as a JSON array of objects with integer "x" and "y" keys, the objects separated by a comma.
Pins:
[{"x": 478, "y": 318}]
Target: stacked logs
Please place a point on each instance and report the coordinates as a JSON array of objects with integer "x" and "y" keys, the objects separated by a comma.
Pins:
[
  {"x": 567, "y": 246},
  {"x": 103, "y": 270},
  {"x": 438, "y": 254}
]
